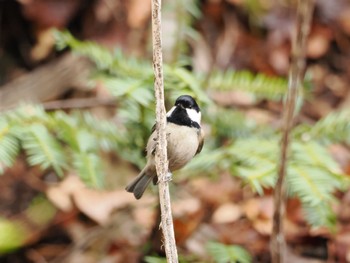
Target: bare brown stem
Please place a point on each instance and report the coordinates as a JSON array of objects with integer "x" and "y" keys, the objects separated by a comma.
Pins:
[
  {"x": 303, "y": 21},
  {"x": 161, "y": 151},
  {"x": 79, "y": 103}
]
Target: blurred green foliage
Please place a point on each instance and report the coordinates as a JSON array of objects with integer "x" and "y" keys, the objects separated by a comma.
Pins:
[
  {"x": 249, "y": 150},
  {"x": 16, "y": 232},
  {"x": 228, "y": 253},
  {"x": 12, "y": 235}
]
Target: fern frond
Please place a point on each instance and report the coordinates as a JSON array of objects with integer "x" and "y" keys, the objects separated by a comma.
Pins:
[
  {"x": 181, "y": 13},
  {"x": 335, "y": 127},
  {"x": 106, "y": 133},
  {"x": 9, "y": 146},
  {"x": 311, "y": 184},
  {"x": 26, "y": 113},
  {"x": 313, "y": 176},
  {"x": 114, "y": 63},
  {"x": 100, "y": 55},
  {"x": 68, "y": 129},
  {"x": 262, "y": 86},
  {"x": 43, "y": 149},
  {"x": 314, "y": 154},
  {"x": 257, "y": 160},
  {"x": 127, "y": 75},
  {"x": 136, "y": 89},
  {"x": 89, "y": 167},
  {"x": 222, "y": 253},
  {"x": 180, "y": 80},
  {"x": 320, "y": 215},
  {"x": 233, "y": 124},
  {"x": 209, "y": 161}
]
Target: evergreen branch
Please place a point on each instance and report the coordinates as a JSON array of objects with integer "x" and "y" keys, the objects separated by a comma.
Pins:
[
  {"x": 185, "y": 12},
  {"x": 262, "y": 86},
  {"x": 89, "y": 166},
  {"x": 310, "y": 184},
  {"x": 312, "y": 174},
  {"x": 320, "y": 215},
  {"x": 128, "y": 71},
  {"x": 334, "y": 127},
  {"x": 42, "y": 149},
  {"x": 9, "y": 146},
  {"x": 79, "y": 140},
  {"x": 315, "y": 154}
]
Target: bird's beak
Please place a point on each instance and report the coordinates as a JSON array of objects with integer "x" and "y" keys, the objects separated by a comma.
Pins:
[{"x": 180, "y": 105}]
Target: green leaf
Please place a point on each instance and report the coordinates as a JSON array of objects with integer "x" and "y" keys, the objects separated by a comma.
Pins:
[
  {"x": 43, "y": 149},
  {"x": 228, "y": 253},
  {"x": 13, "y": 235},
  {"x": 150, "y": 259}
]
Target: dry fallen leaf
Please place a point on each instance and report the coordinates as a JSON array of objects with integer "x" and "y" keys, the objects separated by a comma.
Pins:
[
  {"x": 224, "y": 190},
  {"x": 345, "y": 21},
  {"x": 96, "y": 204},
  {"x": 251, "y": 208},
  {"x": 187, "y": 215},
  {"x": 60, "y": 194},
  {"x": 260, "y": 212},
  {"x": 139, "y": 12},
  {"x": 263, "y": 226},
  {"x": 236, "y": 97},
  {"x": 46, "y": 14},
  {"x": 44, "y": 45},
  {"x": 227, "y": 213}
]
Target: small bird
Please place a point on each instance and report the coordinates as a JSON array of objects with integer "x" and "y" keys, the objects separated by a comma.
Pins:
[{"x": 184, "y": 140}]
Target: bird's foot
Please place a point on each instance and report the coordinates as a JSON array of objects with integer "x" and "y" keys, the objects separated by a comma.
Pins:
[{"x": 168, "y": 177}]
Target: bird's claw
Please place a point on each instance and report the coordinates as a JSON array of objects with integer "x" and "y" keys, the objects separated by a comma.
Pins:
[{"x": 167, "y": 178}]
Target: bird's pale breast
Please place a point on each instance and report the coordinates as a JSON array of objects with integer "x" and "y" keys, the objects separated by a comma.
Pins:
[{"x": 182, "y": 145}]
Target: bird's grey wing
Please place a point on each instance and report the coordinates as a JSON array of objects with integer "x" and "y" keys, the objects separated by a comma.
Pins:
[
  {"x": 154, "y": 128},
  {"x": 200, "y": 140},
  {"x": 152, "y": 142}
]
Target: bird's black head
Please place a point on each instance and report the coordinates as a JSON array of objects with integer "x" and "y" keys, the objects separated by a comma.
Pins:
[
  {"x": 187, "y": 102},
  {"x": 186, "y": 112}
]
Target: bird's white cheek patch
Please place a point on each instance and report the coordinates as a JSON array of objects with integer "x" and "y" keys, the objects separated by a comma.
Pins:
[
  {"x": 194, "y": 115},
  {"x": 170, "y": 111}
]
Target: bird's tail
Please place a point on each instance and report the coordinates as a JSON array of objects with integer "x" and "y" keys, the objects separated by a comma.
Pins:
[{"x": 139, "y": 184}]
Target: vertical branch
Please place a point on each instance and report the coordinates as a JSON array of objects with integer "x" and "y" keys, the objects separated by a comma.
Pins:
[
  {"x": 303, "y": 21},
  {"x": 161, "y": 152}
]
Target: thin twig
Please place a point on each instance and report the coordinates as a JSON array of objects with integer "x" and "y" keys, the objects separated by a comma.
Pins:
[
  {"x": 78, "y": 103},
  {"x": 161, "y": 152},
  {"x": 303, "y": 21}
]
